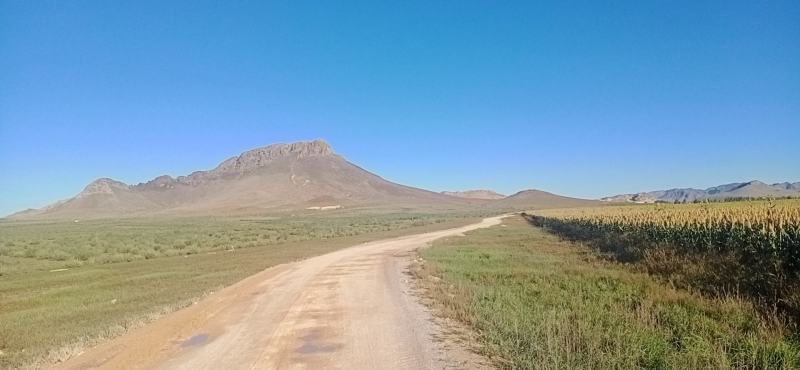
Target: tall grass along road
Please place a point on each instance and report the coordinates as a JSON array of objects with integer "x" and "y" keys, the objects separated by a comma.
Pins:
[
  {"x": 538, "y": 302},
  {"x": 345, "y": 309}
]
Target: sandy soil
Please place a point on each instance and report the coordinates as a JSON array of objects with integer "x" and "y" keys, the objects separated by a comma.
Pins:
[{"x": 350, "y": 309}]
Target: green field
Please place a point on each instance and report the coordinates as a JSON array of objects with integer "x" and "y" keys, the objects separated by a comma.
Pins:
[
  {"x": 72, "y": 244},
  {"x": 66, "y": 285},
  {"x": 537, "y": 302}
]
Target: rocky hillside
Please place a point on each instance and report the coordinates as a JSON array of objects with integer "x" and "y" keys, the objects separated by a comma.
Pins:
[{"x": 302, "y": 175}]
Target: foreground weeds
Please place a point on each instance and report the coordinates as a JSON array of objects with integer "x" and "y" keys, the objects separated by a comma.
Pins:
[{"x": 537, "y": 302}]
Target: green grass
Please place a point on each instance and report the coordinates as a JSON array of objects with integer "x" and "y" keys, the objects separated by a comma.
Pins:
[
  {"x": 49, "y": 315},
  {"x": 71, "y": 244},
  {"x": 537, "y": 302}
]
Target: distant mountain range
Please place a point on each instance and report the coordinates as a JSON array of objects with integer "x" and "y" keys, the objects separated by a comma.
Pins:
[
  {"x": 537, "y": 199},
  {"x": 475, "y": 194},
  {"x": 304, "y": 176},
  {"x": 751, "y": 189}
]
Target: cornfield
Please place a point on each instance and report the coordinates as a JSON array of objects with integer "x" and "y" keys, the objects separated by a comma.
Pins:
[{"x": 762, "y": 238}]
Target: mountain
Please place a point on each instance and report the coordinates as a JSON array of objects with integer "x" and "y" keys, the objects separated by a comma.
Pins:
[
  {"x": 298, "y": 176},
  {"x": 752, "y": 189},
  {"x": 475, "y": 194},
  {"x": 537, "y": 199}
]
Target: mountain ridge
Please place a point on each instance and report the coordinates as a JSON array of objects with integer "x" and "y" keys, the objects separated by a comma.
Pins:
[
  {"x": 749, "y": 189},
  {"x": 475, "y": 194},
  {"x": 538, "y": 199},
  {"x": 300, "y": 175}
]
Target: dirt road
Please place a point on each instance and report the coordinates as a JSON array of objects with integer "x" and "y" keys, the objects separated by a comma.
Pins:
[{"x": 350, "y": 309}]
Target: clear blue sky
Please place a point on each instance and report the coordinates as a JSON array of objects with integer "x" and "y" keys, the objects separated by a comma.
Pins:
[{"x": 579, "y": 98}]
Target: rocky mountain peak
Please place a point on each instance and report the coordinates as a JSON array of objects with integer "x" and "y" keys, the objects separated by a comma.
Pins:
[
  {"x": 102, "y": 186},
  {"x": 313, "y": 148},
  {"x": 260, "y": 157}
]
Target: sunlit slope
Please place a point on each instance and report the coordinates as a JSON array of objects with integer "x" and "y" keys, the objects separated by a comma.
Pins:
[{"x": 274, "y": 178}]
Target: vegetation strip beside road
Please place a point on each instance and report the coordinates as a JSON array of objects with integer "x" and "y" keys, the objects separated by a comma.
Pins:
[
  {"x": 751, "y": 248},
  {"x": 537, "y": 302},
  {"x": 48, "y": 313}
]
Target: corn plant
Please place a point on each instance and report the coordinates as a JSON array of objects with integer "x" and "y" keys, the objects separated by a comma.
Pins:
[{"x": 763, "y": 237}]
